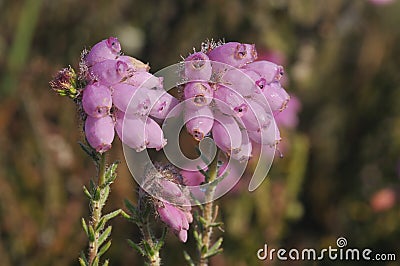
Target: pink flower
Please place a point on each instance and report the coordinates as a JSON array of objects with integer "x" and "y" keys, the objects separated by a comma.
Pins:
[
  {"x": 198, "y": 67},
  {"x": 199, "y": 121},
  {"x": 96, "y": 100},
  {"x": 163, "y": 104},
  {"x": 234, "y": 54},
  {"x": 131, "y": 130},
  {"x": 109, "y": 72},
  {"x": 154, "y": 135},
  {"x": 226, "y": 133},
  {"x": 106, "y": 49},
  {"x": 199, "y": 92},
  {"x": 174, "y": 218},
  {"x": 99, "y": 132}
]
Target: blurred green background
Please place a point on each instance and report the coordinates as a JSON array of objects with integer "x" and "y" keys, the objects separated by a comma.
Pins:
[{"x": 340, "y": 171}]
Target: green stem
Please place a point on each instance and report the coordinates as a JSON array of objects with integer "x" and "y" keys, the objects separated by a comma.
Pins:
[
  {"x": 96, "y": 209},
  {"x": 208, "y": 212},
  {"x": 153, "y": 258}
]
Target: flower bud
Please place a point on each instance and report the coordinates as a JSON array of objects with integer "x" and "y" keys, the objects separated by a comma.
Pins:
[
  {"x": 171, "y": 216},
  {"x": 163, "y": 105},
  {"x": 276, "y": 96},
  {"x": 234, "y": 54},
  {"x": 199, "y": 92},
  {"x": 267, "y": 135},
  {"x": 109, "y": 72},
  {"x": 240, "y": 81},
  {"x": 106, "y": 49},
  {"x": 226, "y": 133},
  {"x": 269, "y": 71},
  {"x": 199, "y": 122},
  {"x": 192, "y": 178},
  {"x": 145, "y": 80},
  {"x": 244, "y": 152},
  {"x": 99, "y": 132},
  {"x": 130, "y": 99},
  {"x": 198, "y": 67},
  {"x": 154, "y": 135},
  {"x": 131, "y": 130},
  {"x": 256, "y": 116},
  {"x": 96, "y": 100},
  {"x": 64, "y": 83},
  {"x": 230, "y": 102},
  {"x": 182, "y": 235}
]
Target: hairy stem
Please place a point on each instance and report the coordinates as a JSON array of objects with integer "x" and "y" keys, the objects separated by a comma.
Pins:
[
  {"x": 208, "y": 212},
  {"x": 96, "y": 209},
  {"x": 153, "y": 258}
]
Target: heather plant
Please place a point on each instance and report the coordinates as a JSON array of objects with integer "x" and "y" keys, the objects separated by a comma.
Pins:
[{"x": 225, "y": 95}]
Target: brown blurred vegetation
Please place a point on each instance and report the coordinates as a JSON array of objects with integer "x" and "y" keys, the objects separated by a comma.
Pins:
[{"x": 343, "y": 62}]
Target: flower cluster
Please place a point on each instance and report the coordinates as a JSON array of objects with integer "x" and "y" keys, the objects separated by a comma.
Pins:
[
  {"x": 120, "y": 94},
  {"x": 232, "y": 96}
]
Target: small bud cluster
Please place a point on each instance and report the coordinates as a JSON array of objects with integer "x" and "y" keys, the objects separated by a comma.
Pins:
[
  {"x": 233, "y": 97},
  {"x": 121, "y": 94}
]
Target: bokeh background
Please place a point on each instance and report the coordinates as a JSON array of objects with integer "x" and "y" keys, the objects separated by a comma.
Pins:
[{"x": 340, "y": 171}]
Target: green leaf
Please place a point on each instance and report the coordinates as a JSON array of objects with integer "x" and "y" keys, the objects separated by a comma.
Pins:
[
  {"x": 136, "y": 247},
  {"x": 210, "y": 254},
  {"x": 104, "y": 248},
  {"x": 91, "y": 234},
  {"x": 218, "y": 224},
  {"x": 82, "y": 262},
  {"x": 100, "y": 225},
  {"x": 96, "y": 196},
  {"x": 131, "y": 208},
  {"x": 90, "y": 151},
  {"x": 106, "y": 218},
  {"x": 106, "y": 262},
  {"x": 96, "y": 261},
  {"x": 104, "y": 195},
  {"x": 104, "y": 235},
  {"x": 110, "y": 174},
  {"x": 148, "y": 249},
  {"x": 216, "y": 246},
  {"x": 188, "y": 258},
  {"x": 203, "y": 221},
  {"x": 203, "y": 172},
  {"x": 84, "y": 226},
  {"x": 87, "y": 193},
  {"x": 92, "y": 187},
  {"x": 160, "y": 241}
]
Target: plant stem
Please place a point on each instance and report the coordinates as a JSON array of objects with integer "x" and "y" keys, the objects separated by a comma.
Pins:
[
  {"x": 153, "y": 257},
  {"x": 208, "y": 212},
  {"x": 96, "y": 209}
]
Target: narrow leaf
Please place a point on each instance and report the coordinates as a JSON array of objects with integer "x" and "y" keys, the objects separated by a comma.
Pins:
[
  {"x": 91, "y": 233},
  {"x": 104, "y": 235},
  {"x": 96, "y": 261},
  {"x": 136, "y": 247},
  {"x": 188, "y": 258},
  {"x": 82, "y": 262},
  {"x": 84, "y": 226},
  {"x": 216, "y": 245},
  {"x": 104, "y": 248},
  {"x": 87, "y": 193},
  {"x": 111, "y": 215},
  {"x": 106, "y": 263},
  {"x": 210, "y": 254}
]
